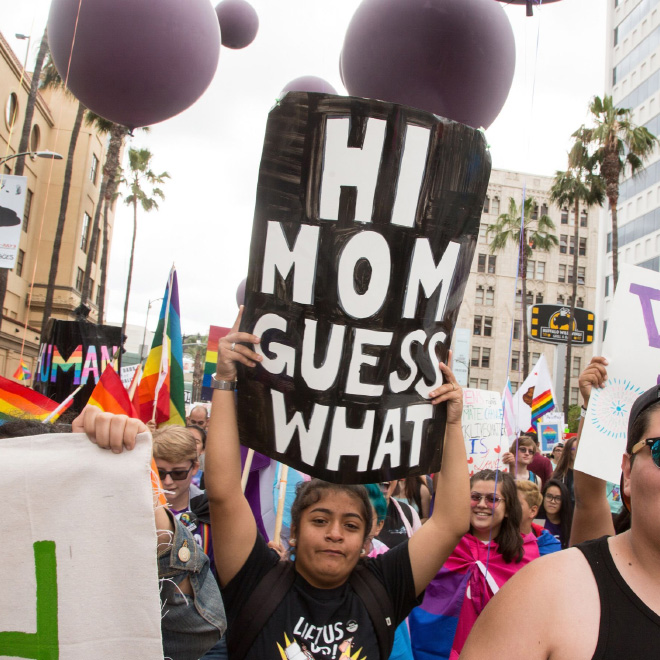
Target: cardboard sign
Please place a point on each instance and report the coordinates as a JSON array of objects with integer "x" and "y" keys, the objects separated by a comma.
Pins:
[
  {"x": 632, "y": 348},
  {"x": 551, "y": 324},
  {"x": 75, "y": 352},
  {"x": 79, "y": 579},
  {"x": 13, "y": 193},
  {"x": 483, "y": 430},
  {"x": 549, "y": 435},
  {"x": 365, "y": 225}
]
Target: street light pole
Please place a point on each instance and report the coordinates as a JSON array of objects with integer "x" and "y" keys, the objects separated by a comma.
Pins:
[
  {"x": 34, "y": 154},
  {"x": 144, "y": 336}
]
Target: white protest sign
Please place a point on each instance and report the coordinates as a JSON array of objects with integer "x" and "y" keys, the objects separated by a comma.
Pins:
[
  {"x": 483, "y": 430},
  {"x": 126, "y": 374},
  {"x": 78, "y": 579},
  {"x": 631, "y": 347},
  {"x": 13, "y": 193}
]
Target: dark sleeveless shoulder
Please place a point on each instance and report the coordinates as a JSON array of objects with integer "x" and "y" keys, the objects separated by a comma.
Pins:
[{"x": 628, "y": 627}]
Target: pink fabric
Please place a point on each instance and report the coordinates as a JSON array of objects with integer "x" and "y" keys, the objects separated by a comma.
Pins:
[{"x": 464, "y": 559}]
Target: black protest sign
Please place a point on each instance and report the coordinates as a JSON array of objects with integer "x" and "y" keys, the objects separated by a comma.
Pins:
[
  {"x": 551, "y": 324},
  {"x": 366, "y": 221},
  {"x": 74, "y": 353}
]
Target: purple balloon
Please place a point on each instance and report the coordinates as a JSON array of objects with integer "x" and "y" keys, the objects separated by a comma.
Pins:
[
  {"x": 308, "y": 84},
  {"x": 239, "y": 23},
  {"x": 240, "y": 293},
  {"x": 454, "y": 58},
  {"x": 135, "y": 62}
]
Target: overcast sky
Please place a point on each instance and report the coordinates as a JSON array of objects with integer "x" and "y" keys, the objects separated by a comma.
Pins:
[{"x": 212, "y": 150}]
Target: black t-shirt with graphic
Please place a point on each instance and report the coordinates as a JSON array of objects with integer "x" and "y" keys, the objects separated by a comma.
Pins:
[{"x": 316, "y": 624}]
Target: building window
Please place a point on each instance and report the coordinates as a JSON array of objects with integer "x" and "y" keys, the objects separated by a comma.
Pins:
[
  {"x": 540, "y": 270},
  {"x": 582, "y": 251},
  {"x": 539, "y": 298},
  {"x": 572, "y": 248},
  {"x": 563, "y": 243},
  {"x": 84, "y": 235},
  {"x": 94, "y": 169},
  {"x": 479, "y": 298},
  {"x": 581, "y": 274},
  {"x": 476, "y": 355},
  {"x": 531, "y": 269},
  {"x": 560, "y": 299},
  {"x": 519, "y": 298},
  {"x": 474, "y": 383},
  {"x": 514, "y": 386},
  {"x": 35, "y": 138},
  {"x": 562, "y": 273},
  {"x": 608, "y": 279},
  {"x": 515, "y": 360},
  {"x": 483, "y": 384},
  {"x": 544, "y": 209},
  {"x": 564, "y": 216},
  {"x": 488, "y": 326},
  {"x": 517, "y": 329},
  {"x": 529, "y": 298},
  {"x": 79, "y": 279},
  {"x": 580, "y": 302},
  {"x": 485, "y": 357},
  {"x": 535, "y": 212},
  {"x": 576, "y": 367},
  {"x": 20, "y": 258},
  {"x": 477, "y": 325},
  {"x": 98, "y": 296},
  {"x": 491, "y": 263},
  {"x": 584, "y": 218},
  {"x": 26, "y": 211},
  {"x": 574, "y": 395},
  {"x": 495, "y": 206},
  {"x": 490, "y": 296},
  {"x": 11, "y": 110},
  {"x": 604, "y": 329},
  {"x": 569, "y": 279},
  {"x": 486, "y": 204},
  {"x": 481, "y": 263},
  {"x": 483, "y": 230}
]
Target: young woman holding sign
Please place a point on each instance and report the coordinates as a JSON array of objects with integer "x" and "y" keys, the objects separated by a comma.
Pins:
[{"x": 326, "y": 607}]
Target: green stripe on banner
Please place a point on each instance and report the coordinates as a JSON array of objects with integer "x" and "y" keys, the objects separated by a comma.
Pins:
[{"x": 44, "y": 644}]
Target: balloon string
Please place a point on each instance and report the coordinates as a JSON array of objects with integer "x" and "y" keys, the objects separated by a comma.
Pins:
[{"x": 58, "y": 124}]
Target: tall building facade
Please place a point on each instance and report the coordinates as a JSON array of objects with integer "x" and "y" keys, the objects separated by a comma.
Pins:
[
  {"x": 633, "y": 80},
  {"x": 52, "y": 124},
  {"x": 492, "y": 311}
]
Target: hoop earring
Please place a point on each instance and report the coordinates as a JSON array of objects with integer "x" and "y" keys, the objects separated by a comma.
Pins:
[
  {"x": 292, "y": 541},
  {"x": 363, "y": 552}
]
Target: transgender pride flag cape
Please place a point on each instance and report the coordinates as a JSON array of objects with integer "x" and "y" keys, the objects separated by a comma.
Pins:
[{"x": 456, "y": 596}]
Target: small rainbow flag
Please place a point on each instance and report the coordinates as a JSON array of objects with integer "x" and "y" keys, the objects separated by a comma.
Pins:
[
  {"x": 160, "y": 392},
  {"x": 22, "y": 373},
  {"x": 16, "y": 400},
  {"x": 110, "y": 395},
  {"x": 211, "y": 361}
]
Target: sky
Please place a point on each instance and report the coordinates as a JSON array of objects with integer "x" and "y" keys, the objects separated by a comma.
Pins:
[{"x": 212, "y": 150}]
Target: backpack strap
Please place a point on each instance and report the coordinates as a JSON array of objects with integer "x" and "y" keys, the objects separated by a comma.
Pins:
[
  {"x": 371, "y": 591},
  {"x": 259, "y": 607}
]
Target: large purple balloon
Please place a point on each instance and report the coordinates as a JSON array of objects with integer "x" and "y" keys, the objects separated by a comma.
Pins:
[
  {"x": 308, "y": 84},
  {"x": 135, "y": 62},
  {"x": 454, "y": 58},
  {"x": 239, "y": 23}
]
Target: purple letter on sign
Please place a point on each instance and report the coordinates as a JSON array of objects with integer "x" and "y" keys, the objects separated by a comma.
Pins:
[{"x": 646, "y": 295}]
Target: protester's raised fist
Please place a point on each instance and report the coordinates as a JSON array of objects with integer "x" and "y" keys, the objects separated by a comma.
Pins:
[
  {"x": 108, "y": 431},
  {"x": 231, "y": 349},
  {"x": 594, "y": 375}
]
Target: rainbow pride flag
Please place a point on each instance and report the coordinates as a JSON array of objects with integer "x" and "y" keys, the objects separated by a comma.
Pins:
[
  {"x": 211, "y": 361},
  {"x": 160, "y": 393},
  {"x": 110, "y": 395},
  {"x": 16, "y": 400},
  {"x": 22, "y": 373}
]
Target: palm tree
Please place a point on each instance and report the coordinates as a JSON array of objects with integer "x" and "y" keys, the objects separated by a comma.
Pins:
[
  {"x": 618, "y": 142},
  {"x": 51, "y": 79},
  {"x": 578, "y": 184},
  {"x": 140, "y": 175},
  {"x": 529, "y": 232}
]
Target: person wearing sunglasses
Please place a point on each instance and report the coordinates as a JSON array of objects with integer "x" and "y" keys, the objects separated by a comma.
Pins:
[
  {"x": 463, "y": 585},
  {"x": 524, "y": 449},
  {"x": 601, "y": 598}
]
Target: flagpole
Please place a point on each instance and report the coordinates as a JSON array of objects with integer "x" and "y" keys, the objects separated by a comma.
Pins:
[
  {"x": 164, "y": 355},
  {"x": 63, "y": 405},
  {"x": 246, "y": 469},
  {"x": 284, "y": 476}
]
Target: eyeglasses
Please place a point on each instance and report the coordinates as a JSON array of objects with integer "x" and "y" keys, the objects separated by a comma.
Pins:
[
  {"x": 177, "y": 475},
  {"x": 654, "y": 444},
  {"x": 491, "y": 500},
  {"x": 553, "y": 498},
  {"x": 525, "y": 450}
]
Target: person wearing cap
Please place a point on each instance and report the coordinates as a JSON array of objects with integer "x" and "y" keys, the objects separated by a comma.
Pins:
[{"x": 614, "y": 581}]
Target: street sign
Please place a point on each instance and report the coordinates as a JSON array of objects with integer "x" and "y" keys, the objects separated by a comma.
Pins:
[{"x": 552, "y": 323}]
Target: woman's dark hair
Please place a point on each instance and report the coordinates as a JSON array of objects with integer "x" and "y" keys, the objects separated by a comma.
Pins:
[
  {"x": 18, "y": 427},
  {"x": 639, "y": 426},
  {"x": 564, "y": 462},
  {"x": 412, "y": 491},
  {"x": 310, "y": 492},
  {"x": 201, "y": 432},
  {"x": 622, "y": 521},
  {"x": 565, "y": 511},
  {"x": 509, "y": 541}
]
